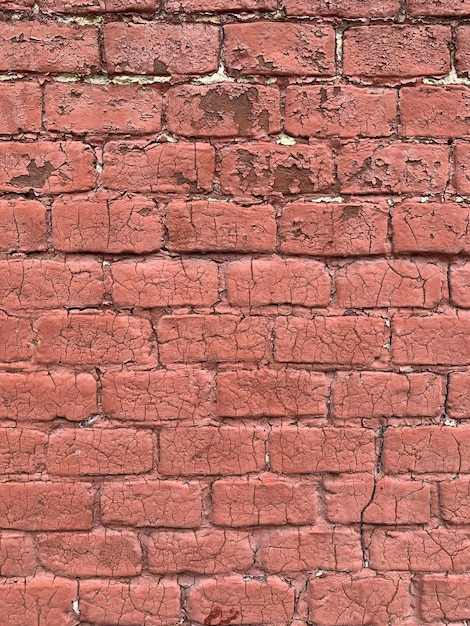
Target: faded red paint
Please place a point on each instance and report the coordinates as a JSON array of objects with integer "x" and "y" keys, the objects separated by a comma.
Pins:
[{"x": 235, "y": 312}]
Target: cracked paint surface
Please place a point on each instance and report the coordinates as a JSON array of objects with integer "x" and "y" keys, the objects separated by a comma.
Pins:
[{"x": 234, "y": 313}]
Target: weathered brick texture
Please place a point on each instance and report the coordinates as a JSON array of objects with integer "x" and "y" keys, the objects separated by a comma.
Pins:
[{"x": 234, "y": 312}]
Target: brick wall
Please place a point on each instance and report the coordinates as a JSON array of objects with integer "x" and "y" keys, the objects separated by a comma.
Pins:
[{"x": 235, "y": 312}]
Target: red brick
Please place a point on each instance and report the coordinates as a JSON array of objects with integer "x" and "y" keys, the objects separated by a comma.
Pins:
[
  {"x": 394, "y": 283},
  {"x": 22, "y": 226},
  {"x": 211, "y": 450},
  {"x": 387, "y": 394},
  {"x": 279, "y": 49},
  {"x": 161, "y": 49},
  {"x": 340, "y": 111},
  {"x": 433, "y": 339},
  {"x": 462, "y": 163},
  {"x": 151, "y": 503},
  {"x": 343, "y": 8},
  {"x": 17, "y": 555},
  {"x": 41, "y": 395},
  {"x": 439, "y": 111},
  {"x": 93, "y": 224},
  {"x": 335, "y": 599},
  {"x": 431, "y": 228},
  {"x": 454, "y": 500},
  {"x": 346, "y": 497},
  {"x": 39, "y": 284},
  {"x": 83, "y": 108},
  {"x": 264, "y": 500},
  {"x": 154, "y": 396},
  {"x": 420, "y": 550},
  {"x": 459, "y": 284},
  {"x": 259, "y": 169},
  {"x": 234, "y": 600},
  {"x": 166, "y": 167},
  {"x": 142, "y": 601},
  {"x": 384, "y": 501},
  {"x": 425, "y": 449},
  {"x": 462, "y": 54},
  {"x": 46, "y": 505},
  {"x": 46, "y": 166},
  {"x": 445, "y": 598},
  {"x": 292, "y": 550},
  {"x": 97, "y": 6},
  {"x": 96, "y": 553},
  {"x": 458, "y": 397},
  {"x": 303, "y": 450},
  {"x": 17, "y": 337},
  {"x": 212, "y": 338},
  {"x": 275, "y": 280},
  {"x": 190, "y": 6},
  {"x": 100, "y": 451},
  {"x": 224, "y": 110},
  {"x": 164, "y": 283},
  {"x": 94, "y": 338},
  {"x": 23, "y": 450},
  {"x": 268, "y": 392},
  {"x": 220, "y": 227},
  {"x": 12, "y": 5},
  {"x": 345, "y": 340},
  {"x": 20, "y": 107},
  {"x": 205, "y": 551},
  {"x": 396, "y": 51},
  {"x": 45, "y": 47},
  {"x": 334, "y": 229},
  {"x": 438, "y": 8},
  {"x": 375, "y": 167},
  {"x": 40, "y": 601}
]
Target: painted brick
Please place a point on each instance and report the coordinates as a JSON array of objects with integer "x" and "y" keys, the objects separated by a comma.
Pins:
[
  {"x": 303, "y": 450},
  {"x": 44, "y": 395},
  {"x": 264, "y": 168},
  {"x": 167, "y": 167},
  {"x": 224, "y": 110},
  {"x": 426, "y": 449},
  {"x": 94, "y": 224},
  {"x": 112, "y": 109},
  {"x": 343, "y": 8},
  {"x": 345, "y": 340},
  {"x": 397, "y": 283},
  {"x": 46, "y": 166},
  {"x": 153, "y": 396},
  {"x": 93, "y": 338},
  {"x": 387, "y": 394},
  {"x": 188, "y": 450},
  {"x": 263, "y": 500},
  {"x": 431, "y": 228},
  {"x": 269, "y": 392},
  {"x": 201, "y": 226},
  {"x": 161, "y": 49},
  {"x": 212, "y": 338},
  {"x": 396, "y": 51},
  {"x": 278, "y": 281},
  {"x": 33, "y": 46},
  {"x": 344, "y": 111},
  {"x": 373, "y": 167},
  {"x": 151, "y": 502},
  {"x": 165, "y": 283},
  {"x": 44, "y": 284},
  {"x": 248, "y": 602},
  {"x": 359, "y": 227},
  {"x": 22, "y": 226},
  {"x": 279, "y": 49}
]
